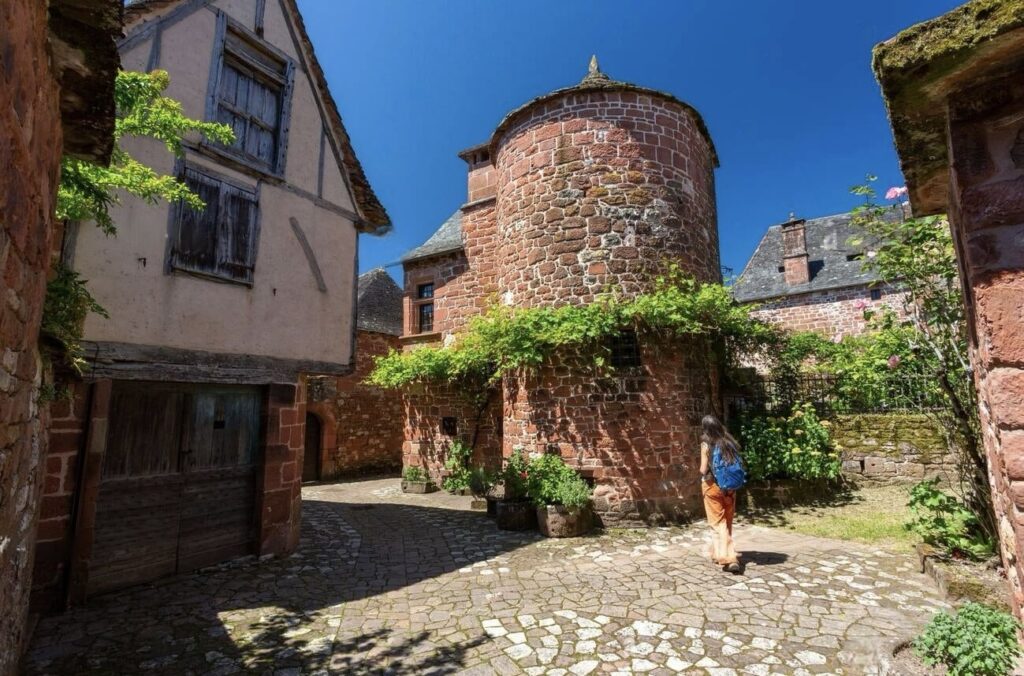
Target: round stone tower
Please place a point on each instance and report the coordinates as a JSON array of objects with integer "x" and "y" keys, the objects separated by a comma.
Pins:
[{"x": 598, "y": 185}]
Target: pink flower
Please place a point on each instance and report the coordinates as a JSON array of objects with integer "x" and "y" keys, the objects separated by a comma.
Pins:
[
  {"x": 894, "y": 361},
  {"x": 860, "y": 304},
  {"x": 522, "y": 475},
  {"x": 896, "y": 192},
  {"x": 838, "y": 338}
]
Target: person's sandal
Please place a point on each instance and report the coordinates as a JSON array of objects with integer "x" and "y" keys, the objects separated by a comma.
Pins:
[{"x": 733, "y": 568}]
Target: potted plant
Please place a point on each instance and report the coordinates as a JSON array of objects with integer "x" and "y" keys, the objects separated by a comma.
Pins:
[
  {"x": 561, "y": 496},
  {"x": 514, "y": 511},
  {"x": 481, "y": 484},
  {"x": 415, "y": 480}
]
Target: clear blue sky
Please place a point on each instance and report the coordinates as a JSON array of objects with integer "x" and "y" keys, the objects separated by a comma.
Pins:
[{"x": 785, "y": 87}]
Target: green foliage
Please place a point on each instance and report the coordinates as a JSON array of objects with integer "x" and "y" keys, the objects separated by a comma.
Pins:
[
  {"x": 551, "y": 482},
  {"x": 945, "y": 522},
  {"x": 65, "y": 308},
  {"x": 515, "y": 475},
  {"x": 976, "y": 641},
  {"x": 457, "y": 463},
  {"x": 797, "y": 446},
  {"x": 414, "y": 473},
  {"x": 918, "y": 255},
  {"x": 504, "y": 339},
  {"x": 481, "y": 481},
  {"x": 88, "y": 191}
]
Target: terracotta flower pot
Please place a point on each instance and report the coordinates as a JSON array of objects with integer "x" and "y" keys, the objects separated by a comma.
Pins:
[
  {"x": 516, "y": 515},
  {"x": 418, "y": 486},
  {"x": 556, "y": 521}
]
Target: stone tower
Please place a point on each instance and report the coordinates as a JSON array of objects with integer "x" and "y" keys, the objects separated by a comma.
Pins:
[{"x": 584, "y": 190}]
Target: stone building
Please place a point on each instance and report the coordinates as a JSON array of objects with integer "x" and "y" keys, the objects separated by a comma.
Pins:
[
  {"x": 590, "y": 187},
  {"x": 807, "y": 275},
  {"x": 183, "y": 445},
  {"x": 353, "y": 428},
  {"x": 955, "y": 95},
  {"x": 57, "y": 66}
]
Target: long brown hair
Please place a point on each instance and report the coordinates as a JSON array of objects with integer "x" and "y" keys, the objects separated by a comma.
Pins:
[{"x": 713, "y": 433}]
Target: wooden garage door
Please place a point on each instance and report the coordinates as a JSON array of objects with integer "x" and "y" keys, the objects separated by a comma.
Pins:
[{"x": 178, "y": 486}]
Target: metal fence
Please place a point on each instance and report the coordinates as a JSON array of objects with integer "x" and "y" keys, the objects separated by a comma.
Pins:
[{"x": 830, "y": 394}]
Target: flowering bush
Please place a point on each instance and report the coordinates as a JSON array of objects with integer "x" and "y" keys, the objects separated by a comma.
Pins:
[
  {"x": 515, "y": 475},
  {"x": 552, "y": 482},
  {"x": 797, "y": 446}
]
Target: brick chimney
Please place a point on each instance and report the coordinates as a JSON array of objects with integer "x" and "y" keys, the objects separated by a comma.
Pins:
[
  {"x": 483, "y": 177},
  {"x": 794, "y": 251}
]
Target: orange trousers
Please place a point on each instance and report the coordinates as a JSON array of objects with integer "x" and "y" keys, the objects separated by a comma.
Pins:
[{"x": 720, "y": 507}]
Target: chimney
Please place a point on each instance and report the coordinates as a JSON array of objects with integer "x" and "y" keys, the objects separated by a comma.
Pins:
[
  {"x": 794, "y": 251},
  {"x": 482, "y": 181}
]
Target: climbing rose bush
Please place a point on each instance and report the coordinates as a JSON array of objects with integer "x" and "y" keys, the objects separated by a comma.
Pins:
[{"x": 797, "y": 446}]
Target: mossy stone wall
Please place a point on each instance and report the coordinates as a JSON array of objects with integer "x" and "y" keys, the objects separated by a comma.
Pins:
[{"x": 892, "y": 446}]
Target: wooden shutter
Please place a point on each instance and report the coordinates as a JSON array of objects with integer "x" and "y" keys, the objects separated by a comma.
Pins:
[
  {"x": 195, "y": 247},
  {"x": 236, "y": 251}
]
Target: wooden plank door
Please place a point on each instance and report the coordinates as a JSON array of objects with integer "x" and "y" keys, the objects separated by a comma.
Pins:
[
  {"x": 220, "y": 455},
  {"x": 311, "y": 452},
  {"x": 137, "y": 511}
]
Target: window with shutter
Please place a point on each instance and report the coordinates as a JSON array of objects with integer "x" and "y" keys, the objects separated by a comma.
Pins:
[
  {"x": 219, "y": 240},
  {"x": 250, "y": 98}
]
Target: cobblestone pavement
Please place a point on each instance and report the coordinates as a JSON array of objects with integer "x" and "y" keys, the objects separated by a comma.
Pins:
[{"x": 393, "y": 583}]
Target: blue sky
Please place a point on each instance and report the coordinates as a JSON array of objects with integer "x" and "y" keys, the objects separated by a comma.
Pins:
[{"x": 785, "y": 87}]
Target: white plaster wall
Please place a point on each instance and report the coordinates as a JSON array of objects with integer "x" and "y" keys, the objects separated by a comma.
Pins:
[{"x": 283, "y": 314}]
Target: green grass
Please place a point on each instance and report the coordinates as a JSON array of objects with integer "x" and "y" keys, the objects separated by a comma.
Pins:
[{"x": 869, "y": 514}]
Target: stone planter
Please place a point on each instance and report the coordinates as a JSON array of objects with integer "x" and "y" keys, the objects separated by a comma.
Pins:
[
  {"x": 418, "y": 486},
  {"x": 516, "y": 515},
  {"x": 478, "y": 504},
  {"x": 556, "y": 521}
]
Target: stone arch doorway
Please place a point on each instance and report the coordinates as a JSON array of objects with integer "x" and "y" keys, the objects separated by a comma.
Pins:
[{"x": 311, "y": 454}]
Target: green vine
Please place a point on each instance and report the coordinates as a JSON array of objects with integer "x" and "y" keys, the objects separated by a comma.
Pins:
[
  {"x": 65, "y": 308},
  {"x": 504, "y": 340}
]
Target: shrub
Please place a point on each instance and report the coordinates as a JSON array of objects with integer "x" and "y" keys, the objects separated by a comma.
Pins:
[
  {"x": 481, "y": 480},
  {"x": 515, "y": 475},
  {"x": 977, "y": 641},
  {"x": 457, "y": 463},
  {"x": 413, "y": 473},
  {"x": 943, "y": 521},
  {"x": 552, "y": 482},
  {"x": 796, "y": 446}
]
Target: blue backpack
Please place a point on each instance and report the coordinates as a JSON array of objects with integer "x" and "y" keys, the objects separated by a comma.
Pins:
[{"x": 729, "y": 476}]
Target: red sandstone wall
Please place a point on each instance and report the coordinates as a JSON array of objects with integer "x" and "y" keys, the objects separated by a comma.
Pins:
[
  {"x": 281, "y": 500},
  {"x": 465, "y": 282},
  {"x": 30, "y": 150},
  {"x": 987, "y": 211},
  {"x": 425, "y": 442},
  {"x": 635, "y": 431},
  {"x": 361, "y": 424},
  {"x": 598, "y": 189},
  {"x": 837, "y": 312}
]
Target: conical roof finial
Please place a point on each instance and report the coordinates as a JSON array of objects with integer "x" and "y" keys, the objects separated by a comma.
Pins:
[{"x": 594, "y": 71}]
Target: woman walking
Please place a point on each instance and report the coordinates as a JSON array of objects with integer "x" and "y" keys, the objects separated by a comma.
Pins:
[{"x": 722, "y": 473}]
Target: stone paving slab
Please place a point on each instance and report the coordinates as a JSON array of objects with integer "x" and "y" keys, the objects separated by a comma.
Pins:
[{"x": 386, "y": 583}]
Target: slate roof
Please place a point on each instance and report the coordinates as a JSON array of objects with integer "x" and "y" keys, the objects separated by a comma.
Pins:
[
  {"x": 830, "y": 256},
  {"x": 375, "y": 219},
  {"x": 445, "y": 239},
  {"x": 379, "y": 303}
]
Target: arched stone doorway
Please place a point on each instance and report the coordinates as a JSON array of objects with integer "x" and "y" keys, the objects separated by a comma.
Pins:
[{"x": 311, "y": 455}]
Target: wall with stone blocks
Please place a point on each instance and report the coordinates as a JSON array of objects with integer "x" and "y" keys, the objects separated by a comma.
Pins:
[
  {"x": 30, "y": 151},
  {"x": 361, "y": 425},
  {"x": 836, "y": 312},
  {"x": 892, "y": 447}
]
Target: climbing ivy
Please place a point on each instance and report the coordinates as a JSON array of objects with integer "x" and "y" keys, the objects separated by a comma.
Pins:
[{"x": 507, "y": 339}]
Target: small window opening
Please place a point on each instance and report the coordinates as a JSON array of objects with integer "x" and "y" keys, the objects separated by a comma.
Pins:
[
  {"x": 876, "y": 294},
  {"x": 782, "y": 268},
  {"x": 625, "y": 350},
  {"x": 426, "y": 317},
  {"x": 424, "y": 291},
  {"x": 449, "y": 425}
]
